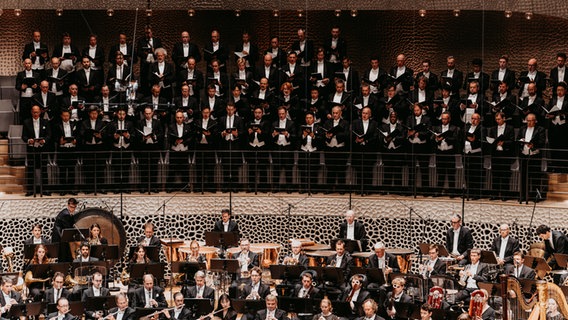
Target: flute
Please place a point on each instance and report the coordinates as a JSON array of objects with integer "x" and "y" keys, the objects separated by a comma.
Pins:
[{"x": 212, "y": 313}]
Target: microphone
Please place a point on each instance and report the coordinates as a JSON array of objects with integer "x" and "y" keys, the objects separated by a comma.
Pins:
[{"x": 538, "y": 195}]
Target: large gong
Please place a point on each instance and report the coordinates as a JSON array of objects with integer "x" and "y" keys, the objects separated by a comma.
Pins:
[{"x": 111, "y": 227}]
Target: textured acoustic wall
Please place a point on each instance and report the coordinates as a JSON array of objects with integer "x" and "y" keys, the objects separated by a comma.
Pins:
[{"x": 386, "y": 33}]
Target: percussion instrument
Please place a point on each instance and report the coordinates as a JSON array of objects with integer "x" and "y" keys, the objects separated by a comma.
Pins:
[
  {"x": 209, "y": 252},
  {"x": 319, "y": 258},
  {"x": 403, "y": 257},
  {"x": 304, "y": 241},
  {"x": 317, "y": 247},
  {"x": 361, "y": 259},
  {"x": 171, "y": 247},
  {"x": 537, "y": 249},
  {"x": 270, "y": 252}
]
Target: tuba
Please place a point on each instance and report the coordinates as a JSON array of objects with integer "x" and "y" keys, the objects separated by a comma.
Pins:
[{"x": 476, "y": 304}]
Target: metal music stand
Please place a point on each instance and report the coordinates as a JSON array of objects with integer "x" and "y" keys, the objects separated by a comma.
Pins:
[
  {"x": 52, "y": 250},
  {"x": 27, "y": 310},
  {"x": 72, "y": 234},
  {"x": 100, "y": 303},
  {"x": 244, "y": 306},
  {"x": 198, "y": 307},
  {"x": 138, "y": 270},
  {"x": 374, "y": 275}
]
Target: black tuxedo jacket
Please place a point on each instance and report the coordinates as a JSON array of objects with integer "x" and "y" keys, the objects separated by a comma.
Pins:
[
  {"x": 538, "y": 139},
  {"x": 99, "y": 58},
  {"x": 509, "y": 79},
  {"x": 233, "y": 226},
  {"x": 252, "y": 56},
  {"x": 63, "y": 221},
  {"x": 509, "y": 107},
  {"x": 112, "y": 72},
  {"x": 508, "y": 138},
  {"x": 224, "y": 84},
  {"x": 13, "y": 295},
  {"x": 222, "y": 54},
  {"x": 451, "y": 137},
  {"x": 237, "y": 123},
  {"x": 512, "y": 247},
  {"x": 560, "y": 244},
  {"x": 59, "y": 132},
  {"x": 208, "y": 292},
  {"x": 426, "y": 103},
  {"x": 433, "y": 82},
  {"x": 317, "y": 140},
  {"x": 60, "y": 85},
  {"x": 58, "y": 52},
  {"x": 273, "y": 75},
  {"x": 44, "y": 132},
  {"x": 423, "y": 133},
  {"x": 169, "y": 74},
  {"x": 113, "y": 127},
  {"x": 307, "y": 55},
  {"x": 139, "y": 299},
  {"x": 477, "y": 133},
  {"x": 465, "y": 240},
  {"x": 30, "y": 241},
  {"x": 128, "y": 57},
  {"x": 85, "y": 132},
  {"x": 157, "y": 135},
  {"x": 278, "y": 314},
  {"x": 142, "y": 53},
  {"x": 198, "y": 81},
  {"x": 483, "y": 81},
  {"x": 392, "y": 262},
  {"x": 95, "y": 80},
  {"x": 313, "y": 292},
  {"x": 290, "y": 128},
  {"x": 252, "y": 256},
  {"x": 297, "y": 77},
  {"x": 407, "y": 79},
  {"x": 263, "y": 136},
  {"x": 339, "y": 52},
  {"x": 128, "y": 313},
  {"x": 263, "y": 291},
  {"x": 352, "y": 81},
  {"x": 22, "y": 75},
  {"x": 540, "y": 80},
  {"x": 51, "y": 107},
  {"x": 563, "y": 110},
  {"x": 554, "y": 79},
  {"x": 50, "y": 293},
  {"x": 280, "y": 59},
  {"x": 363, "y": 295},
  {"x": 372, "y": 103},
  {"x": 180, "y": 59},
  {"x": 88, "y": 294},
  {"x": 360, "y": 232},
  {"x": 526, "y": 272},
  {"x": 328, "y": 71},
  {"x": 173, "y": 134},
  {"x": 342, "y": 135},
  {"x": 381, "y": 81},
  {"x": 456, "y": 83},
  {"x": 29, "y": 48},
  {"x": 154, "y": 241},
  {"x": 439, "y": 268},
  {"x": 346, "y": 262},
  {"x": 398, "y": 137},
  {"x": 211, "y": 139}
]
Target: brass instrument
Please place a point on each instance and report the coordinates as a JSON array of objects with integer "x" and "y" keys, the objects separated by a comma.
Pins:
[
  {"x": 125, "y": 277},
  {"x": 435, "y": 297},
  {"x": 29, "y": 279},
  {"x": 8, "y": 254},
  {"x": 70, "y": 282},
  {"x": 476, "y": 304},
  {"x": 290, "y": 261},
  {"x": 253, "y": 296},
  {"x": 464, "y": 276}
]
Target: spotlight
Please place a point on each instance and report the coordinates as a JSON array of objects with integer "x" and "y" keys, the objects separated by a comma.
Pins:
[
  {"x": 17, "y": 12},
  {"x": 528, "y": 15},
  {"x": 191, "y": 12},
  {"x": 354, "y": 13},
  {"x": 110, "y": 12},
  {"x": 457, "y": 12},
  {"x": 59, "y": 12},
  {"x": 422, "y": 13},
  {"x": 338, "y": 13},
  {"x": 508, "y": 13},
  {"x": 148, "y": 12},
  {"x": 275, "y": 13},
  {"x": 237, "y": 13},
  {"x": 300, "y": 13}
]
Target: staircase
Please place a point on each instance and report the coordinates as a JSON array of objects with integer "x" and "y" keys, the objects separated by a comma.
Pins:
[
  {"x": 557, "y": 187},
  {"x": 11, "y": 177}
]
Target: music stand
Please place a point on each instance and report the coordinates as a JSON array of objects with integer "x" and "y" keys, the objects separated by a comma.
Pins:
[
  {"x": 105, "y": 252},
  {"x": 538, "y": 264},
  {"x": 73, "y": 234},
  {"x": 11, "y": 275},
  {"x": 244, "y": 306},
  {"x": 225, "y": 265},
  {"x": 100, "y": 303},
  {"x": 442, "y": 251},
  {"x": 494, "y": 289},
  {"x": 286, "y": 272},
  {"x": 198, "y": 307},
  {"x": 404, "y": 310},
  {"x": 528, "y": 285},
  {"x": 374, "y": 275},
  {"x": 300, "y": 306},
  {"x": 221, "y": 239},
  {"x": 561, "y": 260},
  {"x": 88, "y": 268},
  {"x": 333, "y": 275},
  {"x": 138, "y": 270},
  {"x": 441, "y": 314},
  {"x": 187, "y": 268},
  {"x": 488, "y": 257},
  {"x": 341, "y": 309},
  {"x": 425, "y": 248},
  {"x": 31, "y": 309},
  {"x": 152, "y": 252},
  {"x": 350, "y": 245},
  {"x": 52, "y": 250}
]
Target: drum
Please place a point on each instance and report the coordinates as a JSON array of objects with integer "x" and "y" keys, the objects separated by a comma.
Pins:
[
  {"x": 209, "y": 252},
  {"x": 111, "y": 227},
  {"x": 537, "y": 249},
  {"x": 403, "y": 257},
  {"x": 361, "y": 259},
  {"x": 304, "y": 241},
  {"x": 171, "y": 247},
  {"x": 317, "y": 247},
  {"x": 270, "y": 252},
  {"x": 319, "y": 258}
]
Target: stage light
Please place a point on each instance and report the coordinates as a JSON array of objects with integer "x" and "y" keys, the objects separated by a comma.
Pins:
[
  {"x": 422, "y": 13},
  {"x": 528, "y": 15},
  {"x": 17, "y": 12},
  {"x": 191, "y": 12},
  {"x": 148, "y": 12},
  {"x": 300, "y": 13},
  {"x": 354, "y": 13},
  {"x": 337, "y": 13},
  {"x": 110, "y": 12},
  {"x": 59, "y": 12},
  {"x": 508, "y": 13},
  {"x": 457, "y": 13},
  {"x": 237, "y": 13}
]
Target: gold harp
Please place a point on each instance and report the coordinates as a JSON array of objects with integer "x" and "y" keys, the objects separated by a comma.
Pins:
[{"x": 548, "y": 298}]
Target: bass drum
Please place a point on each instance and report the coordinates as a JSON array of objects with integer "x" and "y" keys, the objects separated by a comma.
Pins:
[{"x": 111, "y": 227}]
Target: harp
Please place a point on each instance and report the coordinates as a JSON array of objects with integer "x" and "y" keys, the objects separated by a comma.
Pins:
[{"x": 547, "y": 298}]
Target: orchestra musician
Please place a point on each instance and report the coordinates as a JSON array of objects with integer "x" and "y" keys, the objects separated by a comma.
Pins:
[
  {"x": 255, "y": 290},
  {"x": 458, "y": 239},
  {"x": 95, "y": 290},
  {"x": 195, "y": 256},
  {"x": 37, "y": 237},
  {"x": 226, "y": 224},
  {"x": 555, "y": 242},
  {"x": 62, "y": 312},
  {"x": 180, "y": 312},
  {"x": 149, "y": 239},
  {"x": 433, "y": 266},
  {"x": 200, "y": 290},
  {"x": 228, "y": 312},
  {"x": 247, "y": 259},
  {"x": 488, "y": 313},
  {"x": 326, "y": 311},
  {"x": 355, "y": 294},
  {"x": 370, "y": 309},
  {"x": 122, "y": 311},
  {"x": 306, "y": 289},
  {"x": 95, "y": 237},
  {"x": 140, "y": 255},
  {"x": 85, "y": 254},
  {"x": 40, "y": 257},
  {"x": 505, "y": 245},
  {"x": 149, "y": 296},
  {"x": 383, "y": 260},
  {"x": 8, "y": 296},
  {"x": 519, "y": 270},
  {"x": 341, "y": 258},
  {"x": 271, "y": 312},
  {"x": 57, "y": 291},
  {"x": 425, "y": 312},
  {"x": 472, "y": 273},
  {"x": 65, "y": 220},
  {"x": 297, "y": 257},
  {"x": 353, "y": 230},
  {"x": 396, "y": 295}
]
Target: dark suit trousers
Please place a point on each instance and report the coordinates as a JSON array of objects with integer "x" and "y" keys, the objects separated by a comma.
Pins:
[
  {"x": 446, "y": 167},
  {"x": 121, "y": 159},
  {"x": 94, "y": 166},
  {"x": 420, "y": 154},
  {"x": 66, "y": 160},
  {"x": 474, "y": 173},
  {"x": 363, "y": 159},
  {"x": 36, "y": 160},
  {"x": 231, "y": 158},
  {"x": 336, "y": 161},
  {"x": 309, "y": 163},
  {"x": 257, "y": 160},
  {"x": 531, "y": 176},
  {"x": 179, "y": 166},
  {"x": 148, "y": 160},
  {"x": 205, "y": 165},
  {"x": 392, "y": 168},
  {"x": 282, "y": 159},
  {"x": 501, "y": 173}
]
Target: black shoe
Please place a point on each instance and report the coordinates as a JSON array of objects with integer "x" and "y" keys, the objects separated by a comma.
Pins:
[{"x": 29, "y": 194}]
